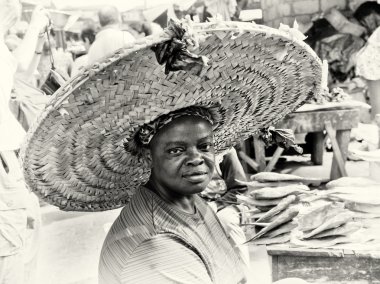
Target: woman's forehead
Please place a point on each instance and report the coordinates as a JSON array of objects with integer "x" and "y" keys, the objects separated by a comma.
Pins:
[
  {"x": 187, "y": 124},
  {"x": 185, "y": 129}
]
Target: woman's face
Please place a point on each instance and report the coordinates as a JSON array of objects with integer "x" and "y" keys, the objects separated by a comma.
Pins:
[{"x": 182, "y": 155}]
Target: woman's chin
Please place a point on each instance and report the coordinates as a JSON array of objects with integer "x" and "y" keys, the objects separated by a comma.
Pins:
[{"x": 197, "y": 188}]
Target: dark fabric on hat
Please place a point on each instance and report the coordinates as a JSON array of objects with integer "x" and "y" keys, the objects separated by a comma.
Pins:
[{"x": 148, "y": 130}]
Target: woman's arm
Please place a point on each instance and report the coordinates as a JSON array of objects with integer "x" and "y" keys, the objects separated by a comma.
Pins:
[
  {"x": 26, "y": 75},
  {"x": 33, "y": 38}
]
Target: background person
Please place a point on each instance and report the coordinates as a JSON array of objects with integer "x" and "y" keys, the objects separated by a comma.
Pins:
[
  {"x": 110, "y": 37},
  {"x": 88, "y": 37},
  {"x": 368, "y": 67},
  {"x": 17, "y": 263}
]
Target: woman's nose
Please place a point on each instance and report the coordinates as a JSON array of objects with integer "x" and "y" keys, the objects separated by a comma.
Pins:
[{"x": 194, "y": 158}]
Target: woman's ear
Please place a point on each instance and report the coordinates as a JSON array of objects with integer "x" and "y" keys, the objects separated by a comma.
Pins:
[{"x": 147, "y": 157}]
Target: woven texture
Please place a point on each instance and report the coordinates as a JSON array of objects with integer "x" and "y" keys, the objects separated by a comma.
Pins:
[{"x": 74, "y": 156}]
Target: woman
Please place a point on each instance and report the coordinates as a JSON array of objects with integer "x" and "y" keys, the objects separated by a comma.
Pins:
[
  {"x": 172, "y": 234},
  {"x": 129, "y": 131}
]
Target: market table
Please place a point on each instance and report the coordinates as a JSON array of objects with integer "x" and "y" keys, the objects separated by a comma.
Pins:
[
  {"x": 336, "y": 122},
  {"x": 325, "y": 265}
]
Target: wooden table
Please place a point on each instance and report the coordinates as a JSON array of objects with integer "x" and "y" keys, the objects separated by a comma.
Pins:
[
  {"x": 337, "y": 123},
  {"x": 325, "y": 265}
]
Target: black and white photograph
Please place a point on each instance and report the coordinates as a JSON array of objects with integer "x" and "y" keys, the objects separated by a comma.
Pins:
[{"x": 189, "y": 141}]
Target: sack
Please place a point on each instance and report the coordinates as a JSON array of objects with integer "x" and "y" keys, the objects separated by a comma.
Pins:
[
  {"x": 26, "y": 103},
  {"x": 53, "y": 82}
]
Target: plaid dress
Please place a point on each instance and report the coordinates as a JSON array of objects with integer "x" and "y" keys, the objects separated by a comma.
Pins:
[{"x": 152, "y": 242}]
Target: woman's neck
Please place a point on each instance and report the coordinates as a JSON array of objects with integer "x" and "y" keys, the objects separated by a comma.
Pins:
[{"x": 184, "y": 203}]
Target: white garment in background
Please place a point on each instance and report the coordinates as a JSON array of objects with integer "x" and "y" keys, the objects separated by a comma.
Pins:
[
  {"x": 156, "y": 28},
  {"x": 18, "y": 243},
  {"x": 107, "y": 41},
  {"x": 368, "y": 58},
  {"x": 221, "y": 8},
  {"x": 12, "y": 133},
  {"x": 79, "y": 64}
]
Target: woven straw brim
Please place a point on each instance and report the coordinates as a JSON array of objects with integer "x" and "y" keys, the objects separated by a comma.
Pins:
[{"x": 75, "y": 158}]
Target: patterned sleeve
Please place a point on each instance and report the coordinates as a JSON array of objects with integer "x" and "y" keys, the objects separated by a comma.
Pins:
[{"x": 164, "y": 259}]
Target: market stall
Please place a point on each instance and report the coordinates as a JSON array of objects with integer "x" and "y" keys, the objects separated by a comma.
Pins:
[
  {"x": 339, "y": 32},
  {"x": 325, "y": 265},
  {"x": 318, "y": 232},
  {"x": 336, "y": 122}
]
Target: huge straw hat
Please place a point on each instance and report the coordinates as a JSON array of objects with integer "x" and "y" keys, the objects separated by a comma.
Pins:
[{"x": 75, "y": 156}]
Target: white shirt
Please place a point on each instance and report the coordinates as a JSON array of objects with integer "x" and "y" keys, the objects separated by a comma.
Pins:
[
  {"x": 13, "y": 193},
  {"x": 11, "y": 131},
  {"x": 79, "y": 64},
  {"x": 368, "y": 58},
  {"x": 107, "y": 41}
]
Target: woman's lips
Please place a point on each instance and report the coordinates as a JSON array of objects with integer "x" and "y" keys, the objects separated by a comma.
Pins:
[{"x": 195, "y": 177}]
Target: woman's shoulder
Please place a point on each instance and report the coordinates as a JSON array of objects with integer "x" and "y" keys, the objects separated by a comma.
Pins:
[
  {"x": 132, "y": 227},
  {"x": 138, "y": 211}
]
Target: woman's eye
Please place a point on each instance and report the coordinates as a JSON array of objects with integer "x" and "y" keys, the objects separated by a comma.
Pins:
[
  {"x": 206, "y": 146},
  {"x": 175, "y": 151}
]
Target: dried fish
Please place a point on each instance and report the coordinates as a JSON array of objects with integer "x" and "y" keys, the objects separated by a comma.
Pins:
[
  {"x": 285, "y": 202},
  {"x": 343, "y": 230},
  {"x": 280, "y": 239},
  {"x": 363, "y": 215},
  {"x": 352, "y": 182},
  {"x": 270, "y": 176},
  {"x": 366, "y": 195},
  {"x": 254, "y": 202},
  {"x": 282, "y": 218},
  {"x": 265, "y": 208},
  {"x": 319, "y": 243},
  {"x": 358, "y": 237},
  {"x": 333, "y": 222},
  {"x": 254, "y": 185},
  {"x": 363, "y": 207},
  {"x": 279, "y": 192},
  {"x": 256, "y": 224},
  {"x": 285, "y": 228},
  {"x": 317, "y": 214}
]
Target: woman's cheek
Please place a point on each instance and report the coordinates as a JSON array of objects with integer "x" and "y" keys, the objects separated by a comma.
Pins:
[{"x": 210, "y": 161}]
